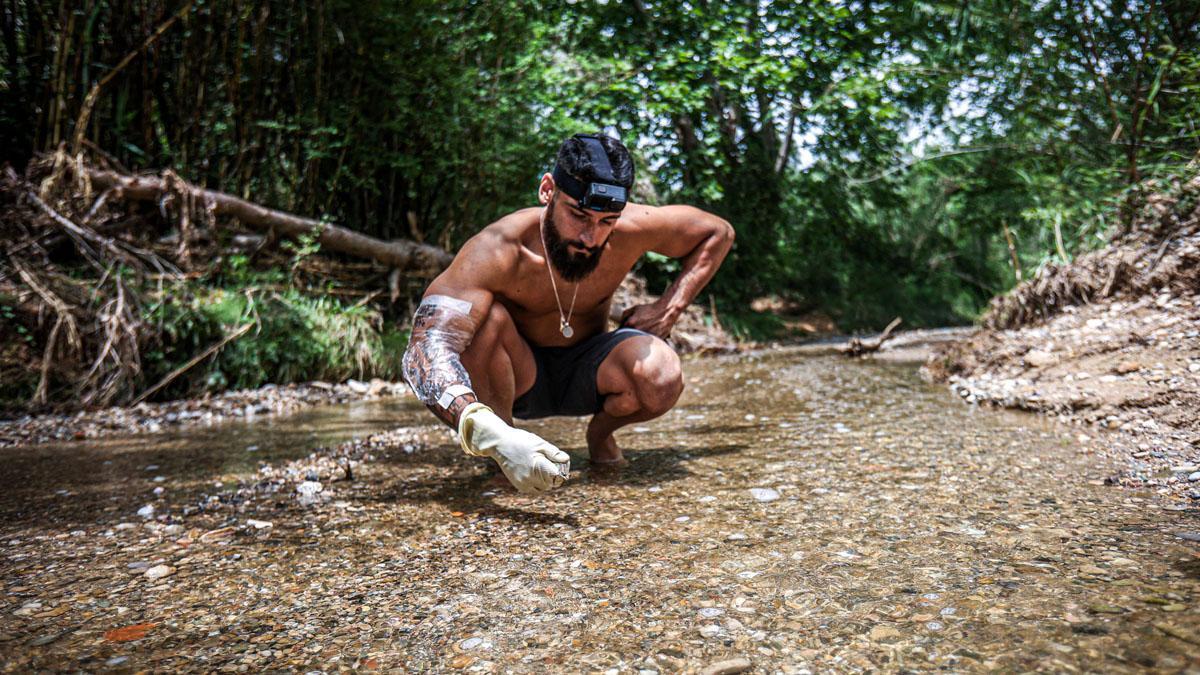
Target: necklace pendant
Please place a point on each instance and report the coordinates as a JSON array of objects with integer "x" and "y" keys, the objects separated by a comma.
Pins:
[{"x": 566, "y": 330}]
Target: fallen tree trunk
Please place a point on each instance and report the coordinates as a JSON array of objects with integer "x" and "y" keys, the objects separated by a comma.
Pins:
[{"x": 402, "y": 255}]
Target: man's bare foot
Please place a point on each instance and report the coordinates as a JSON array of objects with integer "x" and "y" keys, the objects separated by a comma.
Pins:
[{"x": 604, "y": 451}]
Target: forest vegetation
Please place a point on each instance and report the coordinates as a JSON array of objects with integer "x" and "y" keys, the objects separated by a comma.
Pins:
[{"x": 908, "y": 159}]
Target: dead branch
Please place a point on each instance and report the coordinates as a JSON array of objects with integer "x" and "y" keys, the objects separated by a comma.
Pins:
[
  {"x": 171, "y": 376},
  {"x": 88, "y": 240},
  {"x": 63, "y": 318},
  {"x": 405, "y": 255},
  {"x": 857, "y": 347}
]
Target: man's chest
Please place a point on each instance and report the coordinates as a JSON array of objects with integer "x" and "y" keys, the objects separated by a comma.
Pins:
[{"x": 531, "y": 293}]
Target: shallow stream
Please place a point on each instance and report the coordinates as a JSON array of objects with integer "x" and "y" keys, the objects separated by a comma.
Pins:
[{"x": 798, "y": 510}]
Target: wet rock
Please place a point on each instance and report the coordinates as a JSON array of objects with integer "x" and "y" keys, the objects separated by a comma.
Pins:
[
  {"x": 146, "y": 511},
  {"x": 884, "y": 633},
  {"x": 470, "y": 643},
  {"x": 1040, "y": 359},
  {"x": 764, "y": 494},
  {"x": 728, "y": 667},
  {"x": 159, "y": 572},
  {"x": 46, "y": 639},
  {"x": 308, "y": 492}
]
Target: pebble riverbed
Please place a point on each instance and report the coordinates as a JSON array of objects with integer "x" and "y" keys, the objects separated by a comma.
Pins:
[{"x": 796, "y": 512}]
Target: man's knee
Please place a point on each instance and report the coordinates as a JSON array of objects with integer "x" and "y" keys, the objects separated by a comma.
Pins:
[{"x": 658, "y": 379}]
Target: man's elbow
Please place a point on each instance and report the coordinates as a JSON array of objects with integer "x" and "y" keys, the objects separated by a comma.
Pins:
[{"x": 725, "y": 233}]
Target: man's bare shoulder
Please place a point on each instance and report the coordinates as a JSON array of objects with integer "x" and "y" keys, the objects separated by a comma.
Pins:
[
  {"x": 647, "y": 217},
  {"x": 673, "y": 229},
  {"x": 649, "y": 224},
  {"x": 495, "y": 251}
]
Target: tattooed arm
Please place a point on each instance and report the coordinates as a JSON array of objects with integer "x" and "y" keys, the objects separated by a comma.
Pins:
[{"x": 444, "y": 324}]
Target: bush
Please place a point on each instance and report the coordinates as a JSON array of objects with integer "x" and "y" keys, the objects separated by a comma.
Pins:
[{"x": 296, "y": 337}]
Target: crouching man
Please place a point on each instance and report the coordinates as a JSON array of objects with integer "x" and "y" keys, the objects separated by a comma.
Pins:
[{"x": 516, "y": 326}]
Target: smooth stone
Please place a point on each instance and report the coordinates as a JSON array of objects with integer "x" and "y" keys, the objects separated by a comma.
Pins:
[
  {"x": 881, "y": 633},
  {"x": 764, "y": 494},
  {"x": 159, "y": 572},
  {"x": 728, "y": 667}
]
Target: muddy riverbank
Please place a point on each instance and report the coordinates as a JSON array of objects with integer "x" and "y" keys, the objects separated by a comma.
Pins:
[
  {"x": 801, "y": 511},
  {"x": 1110, "y": 341}
]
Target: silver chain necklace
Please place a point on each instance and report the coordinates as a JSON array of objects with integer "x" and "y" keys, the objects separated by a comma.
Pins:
[{"x": 564, "y": 321}]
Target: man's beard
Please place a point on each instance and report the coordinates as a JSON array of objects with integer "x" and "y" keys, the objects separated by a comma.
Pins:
[{"x": 572, "y": 266}]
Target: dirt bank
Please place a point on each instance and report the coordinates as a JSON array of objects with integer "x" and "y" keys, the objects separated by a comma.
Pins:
[{"x": 1111, "y": 340}]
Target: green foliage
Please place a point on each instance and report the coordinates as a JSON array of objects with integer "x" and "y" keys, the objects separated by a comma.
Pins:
[
  {"x": 871, "y": 155},
  {"x": 295, "y": 337}
]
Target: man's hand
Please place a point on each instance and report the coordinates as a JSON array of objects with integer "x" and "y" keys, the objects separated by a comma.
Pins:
[
  {"x": 531, "y": 464},
  {"x": 655, "y": 318}
]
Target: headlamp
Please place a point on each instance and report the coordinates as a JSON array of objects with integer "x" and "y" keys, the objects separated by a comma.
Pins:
[{"x": 602, "y": 194}]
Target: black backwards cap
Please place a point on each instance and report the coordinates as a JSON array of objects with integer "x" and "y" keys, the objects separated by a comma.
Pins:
[{"x": 602, "y": 194}]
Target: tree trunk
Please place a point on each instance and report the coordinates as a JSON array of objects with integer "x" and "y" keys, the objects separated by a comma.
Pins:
[{"x": 403, "y": 255}]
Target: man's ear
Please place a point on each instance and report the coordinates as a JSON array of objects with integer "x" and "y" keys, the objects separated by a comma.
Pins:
[{"x": 545, "y": 189}]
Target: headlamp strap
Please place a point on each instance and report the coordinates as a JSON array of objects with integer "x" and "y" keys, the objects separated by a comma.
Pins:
[
  {"x": 600, "y": 166},
  {"x": 599, "y": 158}
]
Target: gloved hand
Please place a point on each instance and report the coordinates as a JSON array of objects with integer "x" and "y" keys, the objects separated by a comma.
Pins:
[{"x": 531, "y": 464}]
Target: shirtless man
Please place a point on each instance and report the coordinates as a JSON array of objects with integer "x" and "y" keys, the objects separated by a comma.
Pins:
[{"x": 516, "y": 325}]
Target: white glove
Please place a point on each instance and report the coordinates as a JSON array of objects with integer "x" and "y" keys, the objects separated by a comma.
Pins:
[{"x": 531, "y": 464}]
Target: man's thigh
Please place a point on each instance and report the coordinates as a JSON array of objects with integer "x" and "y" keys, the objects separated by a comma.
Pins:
[{"x": 498, "y": 352}]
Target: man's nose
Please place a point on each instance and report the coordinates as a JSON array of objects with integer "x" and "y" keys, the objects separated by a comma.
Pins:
[{"x": 588, "y": 237}]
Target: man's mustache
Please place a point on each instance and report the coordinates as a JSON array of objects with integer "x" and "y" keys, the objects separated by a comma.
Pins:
[{"x": 591, "y": 250}]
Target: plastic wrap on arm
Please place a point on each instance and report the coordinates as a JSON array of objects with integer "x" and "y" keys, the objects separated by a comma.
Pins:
[{"x": 442, "y": 329}]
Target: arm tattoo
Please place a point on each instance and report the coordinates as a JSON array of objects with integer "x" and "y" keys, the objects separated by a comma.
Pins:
[{"x": 442, "y": 329}]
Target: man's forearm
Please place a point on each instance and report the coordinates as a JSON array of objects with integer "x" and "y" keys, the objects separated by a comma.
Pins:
[
  {"x": 442, "y": 329},
  {"x": 699, "y": 266}
]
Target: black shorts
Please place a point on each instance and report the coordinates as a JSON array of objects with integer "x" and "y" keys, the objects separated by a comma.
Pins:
[{"x": 566, "y": 377}]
